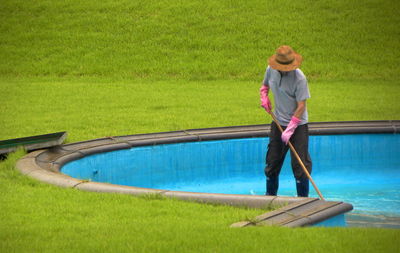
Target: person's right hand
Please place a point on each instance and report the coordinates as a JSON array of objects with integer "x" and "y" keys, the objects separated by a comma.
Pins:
[{"x": 265, "y": 102}]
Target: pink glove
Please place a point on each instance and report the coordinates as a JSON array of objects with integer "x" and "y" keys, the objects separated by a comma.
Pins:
[
  {"x": 265, "y": 102},
  {"x": 294, "y": 122}
]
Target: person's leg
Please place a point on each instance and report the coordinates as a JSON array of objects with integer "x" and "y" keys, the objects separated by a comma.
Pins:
[
  {"x": 274, "y": 160},
  {"x": 299, "y": 140}
]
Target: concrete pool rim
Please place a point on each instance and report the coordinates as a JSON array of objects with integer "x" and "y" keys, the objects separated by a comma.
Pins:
[{"x": 45, "y": 165}]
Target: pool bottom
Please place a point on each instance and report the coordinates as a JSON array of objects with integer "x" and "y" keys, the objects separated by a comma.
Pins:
[
  {"x": 377, "y": 221},
  {"x": 361, "y": 220}
]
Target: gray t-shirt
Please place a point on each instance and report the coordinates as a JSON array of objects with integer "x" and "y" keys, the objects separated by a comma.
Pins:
[{"x": 288, "y": 89}]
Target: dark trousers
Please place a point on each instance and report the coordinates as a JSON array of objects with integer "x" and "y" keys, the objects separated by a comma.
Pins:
[{"x": 276, "y": 155}]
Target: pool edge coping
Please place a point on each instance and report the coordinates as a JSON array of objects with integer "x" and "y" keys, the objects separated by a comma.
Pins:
[{"x": 45, "y": 165}]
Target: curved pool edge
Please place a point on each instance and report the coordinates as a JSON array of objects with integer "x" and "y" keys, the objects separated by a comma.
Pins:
[
  {"x": 45, "y": 165},
  {"x": 290, "y": 212},
  {"x": 29, "y": 166}
]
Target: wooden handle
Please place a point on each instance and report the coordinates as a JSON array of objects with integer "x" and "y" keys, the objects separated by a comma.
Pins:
[{"x": 298, "y": 159}]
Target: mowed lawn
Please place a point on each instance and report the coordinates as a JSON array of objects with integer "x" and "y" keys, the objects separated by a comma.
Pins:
[
  {"x": 36, "y": 217},
  {"x": 89, "y": 110},
  {"x": 121, "y": 67}
]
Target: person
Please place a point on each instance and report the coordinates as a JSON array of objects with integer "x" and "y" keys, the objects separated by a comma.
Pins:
[{"x": 290, "y": 90}]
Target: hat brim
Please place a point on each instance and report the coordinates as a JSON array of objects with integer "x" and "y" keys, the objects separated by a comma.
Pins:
[{"x": 285, "y": 67}]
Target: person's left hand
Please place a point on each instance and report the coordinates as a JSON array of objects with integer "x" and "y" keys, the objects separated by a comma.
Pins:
[{"x": 294, "y": 122}]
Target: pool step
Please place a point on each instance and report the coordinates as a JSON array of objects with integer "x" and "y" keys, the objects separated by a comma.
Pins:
[{"x": 307, "y": 212}]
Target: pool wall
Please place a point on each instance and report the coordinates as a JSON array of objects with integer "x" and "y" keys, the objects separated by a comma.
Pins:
[{"x": 45, "y": 165}]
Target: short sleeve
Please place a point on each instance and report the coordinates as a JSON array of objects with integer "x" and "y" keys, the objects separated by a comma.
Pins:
[
  {"x": 302, "y": 91},
  {"x": 266, "y": 76}
]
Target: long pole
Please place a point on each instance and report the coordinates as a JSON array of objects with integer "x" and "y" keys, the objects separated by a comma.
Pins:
[{"x": 299, "y": 159}]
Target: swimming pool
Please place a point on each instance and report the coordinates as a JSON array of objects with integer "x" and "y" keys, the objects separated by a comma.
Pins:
[{"x": 362, "y": 169}]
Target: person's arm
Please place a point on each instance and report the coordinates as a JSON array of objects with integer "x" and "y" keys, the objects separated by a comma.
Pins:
[
  {"x": 264, "y": 90},
  {"x": 294, "y": 122},
  {"x": 265, "y": 102},
  {"x": 301, "y": 108}
]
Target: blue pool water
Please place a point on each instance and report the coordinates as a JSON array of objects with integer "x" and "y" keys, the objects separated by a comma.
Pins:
[{"x": 362, "y": 169}]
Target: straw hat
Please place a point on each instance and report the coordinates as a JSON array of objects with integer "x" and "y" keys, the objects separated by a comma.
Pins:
[{"x": 285, "y": 59}]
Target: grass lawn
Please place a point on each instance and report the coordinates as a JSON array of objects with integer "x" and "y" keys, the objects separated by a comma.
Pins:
[
  {"x": 89, "y": 110},
  {"x": 197, "y": 40},
  {"x": 37, "y": 217},
  {"x": 117, "y": 67}
]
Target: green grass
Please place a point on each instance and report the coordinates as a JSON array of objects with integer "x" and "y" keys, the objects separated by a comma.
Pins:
[
  {"x": 37, "y": 217},
  {"x": 197, "y": 40},
  {"x": 93, "y": 110},
  {"x": 105, "y": 68}
]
